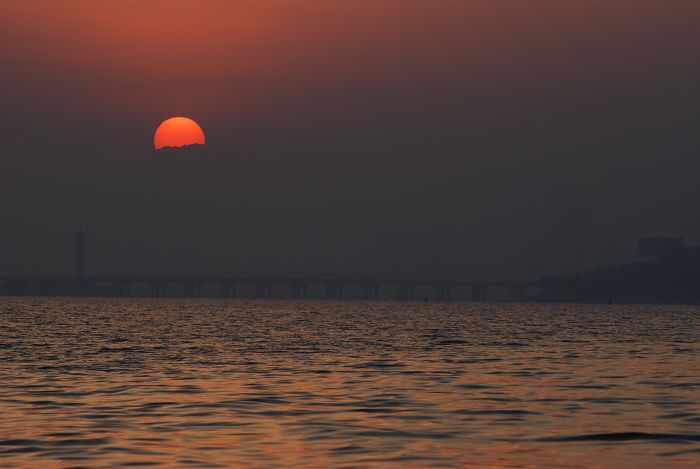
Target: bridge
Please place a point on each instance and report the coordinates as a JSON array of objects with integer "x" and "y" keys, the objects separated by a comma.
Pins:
[
  {"x": 228, "y": 286},
  {"x": 192, "y": 286}
]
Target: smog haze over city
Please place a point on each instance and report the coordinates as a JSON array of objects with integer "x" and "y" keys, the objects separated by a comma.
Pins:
[{"x": 455, "y": 139}]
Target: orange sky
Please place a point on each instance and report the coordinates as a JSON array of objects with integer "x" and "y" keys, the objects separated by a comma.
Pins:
[{"x": 216, "y": 56}]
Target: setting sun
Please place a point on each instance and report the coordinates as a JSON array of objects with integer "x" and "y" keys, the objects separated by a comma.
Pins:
[{"x": 178, "y": 132}]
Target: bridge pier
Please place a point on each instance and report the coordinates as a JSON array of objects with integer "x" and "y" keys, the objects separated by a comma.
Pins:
[
  {"x": 87, "y": 288},
  {"x": 157, "y": 289},
  {"x": 334, "y": 291},
  {"x": 50, "y": 288},
  {"x": 370, "y": 291},
  {"x": 193, "y": 289},
  {"x": 263, "y": 290},
  {"x": 17, "y": 287},
  {"x": 479, "y": 293},
  {"x": 227, "y": 290},
  {"x": 79, "y": 288},
  {"x": 515, "y": 293},
  {"x": 121, "y": 288},
  {"x": 443, "y": 292},
  {"x": 299, "y": 290},
  {"x": 407, "y": 292}
]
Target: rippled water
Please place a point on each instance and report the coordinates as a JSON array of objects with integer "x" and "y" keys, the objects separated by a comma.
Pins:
[{"x": 105, "y": 383}]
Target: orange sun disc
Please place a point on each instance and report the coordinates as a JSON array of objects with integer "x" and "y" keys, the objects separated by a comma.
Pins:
[{"x": 178, "y": 132}]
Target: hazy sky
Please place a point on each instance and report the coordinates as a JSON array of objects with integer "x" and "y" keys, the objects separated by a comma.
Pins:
[{"x": 411, "y": 137}]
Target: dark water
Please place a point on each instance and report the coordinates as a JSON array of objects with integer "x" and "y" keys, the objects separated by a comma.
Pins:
[{"x": 115, "y": 383}]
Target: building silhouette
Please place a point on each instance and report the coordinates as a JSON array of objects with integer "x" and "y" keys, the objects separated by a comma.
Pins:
[
  {"x": 660, "y": 246},
  {"x": 569, "y": 231},
  {"x": 668, "y": 271},
  {"x": 80, "y": 253}
]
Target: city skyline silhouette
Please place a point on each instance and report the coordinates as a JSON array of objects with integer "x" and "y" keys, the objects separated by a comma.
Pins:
[
  {"x": 665, "y": 270},
  {"x": 456, "y": 158}
]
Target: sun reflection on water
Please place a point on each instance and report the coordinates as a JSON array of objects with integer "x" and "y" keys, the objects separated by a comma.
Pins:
[{"x": 303, "y": 384}]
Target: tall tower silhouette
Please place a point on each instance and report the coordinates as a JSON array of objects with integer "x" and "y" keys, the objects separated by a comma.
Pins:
[{"x": 80, "y": 253}]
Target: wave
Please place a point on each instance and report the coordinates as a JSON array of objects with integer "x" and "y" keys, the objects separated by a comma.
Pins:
[{"x": 625, "y": 436}]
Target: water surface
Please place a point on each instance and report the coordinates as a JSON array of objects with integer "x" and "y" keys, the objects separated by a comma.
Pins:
[{"x": 208, "y": 383}]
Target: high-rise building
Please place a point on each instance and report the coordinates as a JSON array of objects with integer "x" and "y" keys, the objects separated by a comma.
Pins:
[
  {"x": 80, "y": 253},
  {"x": 569, "y": 231}
]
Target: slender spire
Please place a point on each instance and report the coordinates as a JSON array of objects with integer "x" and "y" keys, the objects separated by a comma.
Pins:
[{"x": 80, "y": 253}]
